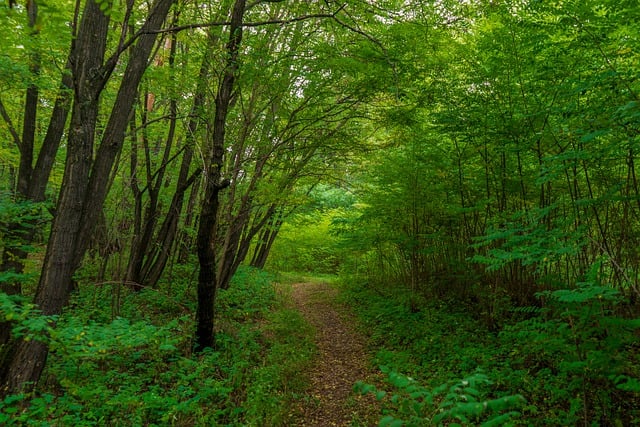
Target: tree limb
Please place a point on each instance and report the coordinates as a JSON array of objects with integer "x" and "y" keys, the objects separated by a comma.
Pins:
[{"x": 12, "y": 129}]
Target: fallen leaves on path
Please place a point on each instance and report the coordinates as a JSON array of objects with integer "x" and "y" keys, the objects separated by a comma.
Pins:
[{"x": 341, "y": 361}]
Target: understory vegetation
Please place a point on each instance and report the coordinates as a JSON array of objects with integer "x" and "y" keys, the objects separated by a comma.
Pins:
[
  {"x": 124, "y": 357},
  {"x": 569, "y": 358},
  {"x": 468, "y": 169},
  {"x": 572, "y": 363}
]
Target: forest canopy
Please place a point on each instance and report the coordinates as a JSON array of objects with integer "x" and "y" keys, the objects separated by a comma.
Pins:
[{"x": 477, "y": 154}]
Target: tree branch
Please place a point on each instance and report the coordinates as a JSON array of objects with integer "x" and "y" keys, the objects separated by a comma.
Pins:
[
  {"x": 244, "y": 24},
  {"x": 12, "y": 129}
]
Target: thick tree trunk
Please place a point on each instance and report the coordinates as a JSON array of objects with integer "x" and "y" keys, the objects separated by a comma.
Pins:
[
  {"x": 13, "y": 256},
  {"x": 32, "y": 181},
  {"x": 27, "y": 358},
  {"x": 84, "y": 183},
  {"x": 213, "y": 181}
]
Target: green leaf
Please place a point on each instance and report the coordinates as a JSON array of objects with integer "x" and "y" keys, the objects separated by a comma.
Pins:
[{"x": 389, "y": 421}]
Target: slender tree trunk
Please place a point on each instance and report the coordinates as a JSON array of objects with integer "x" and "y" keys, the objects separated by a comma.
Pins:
[
  {"x": 143, "y": 238},
  {"x": 269, "y": 234},
  {"x": 157, "y": 259},
  {"x": 247, "y": 238},
  {"x": 186, "y": 240},
  {"x": 159, "y": 255},
  {"x": 230, "y": 248}
]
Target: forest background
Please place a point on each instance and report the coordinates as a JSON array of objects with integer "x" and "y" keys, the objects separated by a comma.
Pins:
[{"x": 467, "y": 168}]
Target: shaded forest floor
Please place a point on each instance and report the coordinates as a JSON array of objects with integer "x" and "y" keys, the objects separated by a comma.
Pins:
[{"x": 341, "y": 361}]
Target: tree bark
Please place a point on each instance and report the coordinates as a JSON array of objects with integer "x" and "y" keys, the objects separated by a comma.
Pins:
[
  {"x": 85, "y": 182},
  {"x": 145, "y": 227},
  {"x": 27, "y": 359},
  {"x": 213, "y": 185},
  {"x": 32, "y": 180},
  {"x": 268, "y": 236},
  {"x": 157, "y": 258}
]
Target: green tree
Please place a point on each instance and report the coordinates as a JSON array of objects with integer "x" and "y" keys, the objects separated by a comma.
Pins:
[
  {"x": 86, "y": 177},
  {"x": 36, "y": 149}
]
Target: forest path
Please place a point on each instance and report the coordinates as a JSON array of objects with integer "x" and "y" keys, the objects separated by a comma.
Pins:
[{"x": 341, "y": 361}]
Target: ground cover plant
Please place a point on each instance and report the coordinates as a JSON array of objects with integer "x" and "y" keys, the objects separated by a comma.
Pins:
[
  {"x": 571, "y": 363},
  {"x": 470, "y": 167},
  {"x": 137, "y": 367}
]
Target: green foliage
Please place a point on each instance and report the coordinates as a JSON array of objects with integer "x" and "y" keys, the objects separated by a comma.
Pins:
[
  {"x": 584, "y": 352},
  {"x": 27, "y": 322},
  {"x": 278, "y": 383},
  {"x": 137, "y": 368},
  {"x": 459, "y": 401},
  {"x": 423, "y": 337},
  {"x": 305, "y": 244},
  {"x": 526, "y": 238},
  {"x": 574, "y": 358},
  {"x": 17, "y": 218}
]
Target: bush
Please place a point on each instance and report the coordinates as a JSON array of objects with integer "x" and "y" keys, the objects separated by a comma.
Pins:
[
  {"x": 137, "y": 368},
  {"x": 458, "y": 401}
]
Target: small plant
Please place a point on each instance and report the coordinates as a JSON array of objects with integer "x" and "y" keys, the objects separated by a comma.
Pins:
[
  {"x": 457, "y": 402},
  {"x": 26, "y": 321}
]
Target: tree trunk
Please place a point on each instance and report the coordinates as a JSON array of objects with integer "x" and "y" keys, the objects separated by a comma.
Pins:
[
  {"x": 27, "y": 358},
  {"x": 269, "y": 234},
  {"x": 186, "y": 241},
  {"x": 159, "y": 255},
  {"x": 240, "y": 241},
  {"x": 143, "y": 236},
  {"x": 213, "y": 184},
  {"x": 85, "y": 183},
  {"x": 32, "y": 181},
  {"x": 12, "y": 256}
]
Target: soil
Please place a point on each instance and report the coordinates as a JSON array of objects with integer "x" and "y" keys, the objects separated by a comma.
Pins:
[{"x": 341, "y": 361}]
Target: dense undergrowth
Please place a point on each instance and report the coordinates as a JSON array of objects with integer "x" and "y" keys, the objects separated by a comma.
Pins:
[
  {"x": 123, "y": 358},
  {"x": 573, "y": 362}
]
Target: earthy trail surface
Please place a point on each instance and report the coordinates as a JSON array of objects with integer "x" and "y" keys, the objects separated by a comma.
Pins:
[{"x": 341, "y": 362}]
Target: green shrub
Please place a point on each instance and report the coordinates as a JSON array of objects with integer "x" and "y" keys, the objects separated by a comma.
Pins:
[
  {"x": 459, "y": 401},
  {"x": 137, "y": 368},
  {"x": 575, "y": 359},
  {"x": 581, "y": 354}
]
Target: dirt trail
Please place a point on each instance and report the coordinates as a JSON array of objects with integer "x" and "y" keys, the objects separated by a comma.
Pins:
[{"x": 341, "y": 362}]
